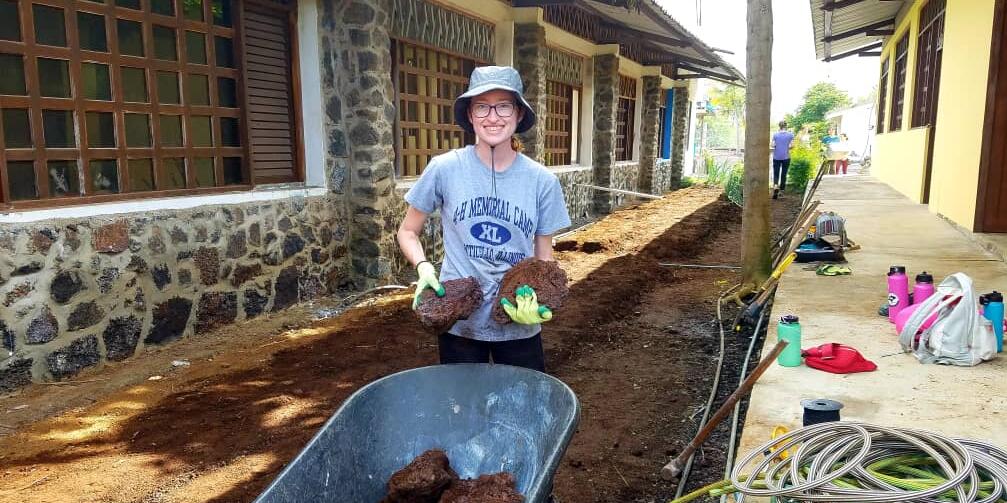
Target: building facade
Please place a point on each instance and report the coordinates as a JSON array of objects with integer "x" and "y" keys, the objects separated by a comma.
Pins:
[
  {"x": 172, "y": 167},
  {"x": 940, "y": 116}
]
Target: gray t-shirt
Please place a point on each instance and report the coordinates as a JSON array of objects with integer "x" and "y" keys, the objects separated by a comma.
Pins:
[{"x": 484, "y": 235}]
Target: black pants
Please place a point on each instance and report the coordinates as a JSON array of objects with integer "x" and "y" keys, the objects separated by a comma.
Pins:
[
  {"x": 526, "y": 353},
  {"x": 780, "y": 167}
]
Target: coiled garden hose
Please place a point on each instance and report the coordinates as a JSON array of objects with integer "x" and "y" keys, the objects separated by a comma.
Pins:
[{"x": 862, "y": 463}]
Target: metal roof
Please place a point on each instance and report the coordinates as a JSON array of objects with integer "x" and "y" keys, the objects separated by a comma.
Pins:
[
  {"x": 847, "y": 27},
  {"x": 651, "y": 18},
  {"x": 655, "y": 29}
]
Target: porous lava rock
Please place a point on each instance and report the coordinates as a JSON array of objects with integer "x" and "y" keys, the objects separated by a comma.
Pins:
[
  {"x": 544, "y": 276},
  {"x": 422, "y": 481},
  {"x": 496, "y": 488},
  {"x": 461, "y": 298}
]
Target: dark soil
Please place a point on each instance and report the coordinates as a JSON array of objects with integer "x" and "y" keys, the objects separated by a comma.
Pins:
[
  {"x": 423, "y": 480},
  {"x": 496, "y": 488},
  {"x": 636, "y": 341},
  {"x": 430, "y": 479},
  {"x": 461, "y": 298},
  {"x": 546, "y": 277}
]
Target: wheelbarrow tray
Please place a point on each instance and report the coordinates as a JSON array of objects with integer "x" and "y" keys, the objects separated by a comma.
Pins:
[{"x": 487, "y": 418}]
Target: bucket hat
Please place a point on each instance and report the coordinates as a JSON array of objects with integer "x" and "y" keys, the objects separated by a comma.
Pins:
[{"x": 490, "y": 78}]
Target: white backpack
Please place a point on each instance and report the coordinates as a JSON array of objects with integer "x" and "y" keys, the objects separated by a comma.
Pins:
[{"x": 959, "y": 336}]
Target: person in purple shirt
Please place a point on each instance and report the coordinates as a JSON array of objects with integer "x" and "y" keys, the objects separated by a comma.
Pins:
[{"x": 783, "y": 143}]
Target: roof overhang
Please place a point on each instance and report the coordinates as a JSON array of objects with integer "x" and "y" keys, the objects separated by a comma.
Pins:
[
  {"x": 646, "y": 34},
  {"x": 846, "y": 28}
]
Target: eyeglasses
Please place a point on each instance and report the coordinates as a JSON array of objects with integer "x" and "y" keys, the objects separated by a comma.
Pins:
[{"x": 503, "y": 110}]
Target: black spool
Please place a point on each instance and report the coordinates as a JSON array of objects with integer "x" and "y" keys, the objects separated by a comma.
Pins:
[{"x": 820, "y": 410}]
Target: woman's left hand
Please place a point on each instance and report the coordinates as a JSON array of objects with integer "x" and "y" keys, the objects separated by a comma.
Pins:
[{"x": 528, "y": 311}]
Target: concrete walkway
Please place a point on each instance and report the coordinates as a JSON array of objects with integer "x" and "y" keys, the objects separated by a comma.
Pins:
[{"x": 958, "y": 401}]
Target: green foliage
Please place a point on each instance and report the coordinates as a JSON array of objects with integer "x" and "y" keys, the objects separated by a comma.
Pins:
[
  {"x": 734, "y": 187},
  {"x": 804, "y": 163},
  {"x": 819, "y": 100},
  {"x": 688, "y": 181},
  {"x": 727, "y": 174},
  {"x": 729, "y": 100}
]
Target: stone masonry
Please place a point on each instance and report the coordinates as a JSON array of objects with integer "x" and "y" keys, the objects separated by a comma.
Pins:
[
  {"x": 606, "y": 85},
  {"x": 679, "y": 135},
  {"x": 650, "y": 126},
  {"x": 76, "y": 293},
  {"x": 530, "y": 58},
  {"x": 360, "y": 114}
]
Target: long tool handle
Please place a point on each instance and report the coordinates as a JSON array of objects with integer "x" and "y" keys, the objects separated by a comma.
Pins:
[{"x": 673, "y": 469}]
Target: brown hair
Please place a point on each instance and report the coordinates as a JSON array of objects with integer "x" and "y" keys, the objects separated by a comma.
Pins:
[{"x": 515, "y": 143}]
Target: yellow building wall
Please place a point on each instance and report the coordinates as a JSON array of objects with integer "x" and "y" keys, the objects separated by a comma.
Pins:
[
  {"x": 898, "y": 160},
  {"x": 961, "y": 109},
  {"x": 899, "y": 157}
]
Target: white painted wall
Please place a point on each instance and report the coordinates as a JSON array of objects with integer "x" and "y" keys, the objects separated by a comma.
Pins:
[
  {"x": 858, "y": 124},
  {"x": 312, "y": 109}
]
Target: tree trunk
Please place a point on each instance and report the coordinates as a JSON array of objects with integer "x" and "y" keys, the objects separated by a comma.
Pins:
[{"x": 755, "y": 224}]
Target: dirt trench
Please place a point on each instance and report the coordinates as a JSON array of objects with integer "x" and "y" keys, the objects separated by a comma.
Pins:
[{"x": 635, "y": 341}]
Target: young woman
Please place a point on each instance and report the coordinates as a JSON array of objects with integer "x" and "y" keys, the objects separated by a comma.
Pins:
[{"x": 497, "y": 207}]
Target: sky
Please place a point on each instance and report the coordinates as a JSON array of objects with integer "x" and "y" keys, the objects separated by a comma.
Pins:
[{"x": 795, "y": 68}]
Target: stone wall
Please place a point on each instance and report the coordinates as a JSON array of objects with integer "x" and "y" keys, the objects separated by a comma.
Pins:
[
  {"x": 579, "y": 200},
  {"x": 625, "y": 176},
  {"x": 606, "y": 82},
  {"x": 76, "y": 293},
  {"x": 679, "y": 135},
  {"x": 650, "y": 125},
  {"x": 360, "y": 112},
  {"x": 662, "y": 176},
  {"x": 530, "y": 60}
]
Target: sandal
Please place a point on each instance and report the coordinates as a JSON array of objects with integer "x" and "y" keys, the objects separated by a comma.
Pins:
[{"x": 832, "y": 270}]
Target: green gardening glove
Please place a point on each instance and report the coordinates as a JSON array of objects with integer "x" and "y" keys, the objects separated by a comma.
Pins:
[
  {"x": 528, "y": 311},
  {"x": 427, "y": 279}
]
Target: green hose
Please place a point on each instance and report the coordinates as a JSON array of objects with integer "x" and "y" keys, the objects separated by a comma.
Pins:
[{"x": 862, "y": 463}]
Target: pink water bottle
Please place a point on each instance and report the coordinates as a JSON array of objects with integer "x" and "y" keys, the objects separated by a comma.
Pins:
[
  {"x": 898, "y": 291},
  {"x": 923, "y": 288}
]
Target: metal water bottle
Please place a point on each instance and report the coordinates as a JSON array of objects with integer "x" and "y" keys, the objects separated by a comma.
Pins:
[
  {"x": 789, "y": 330},
  {"x": 898, "y": 291},
  {"x": 923, "y": 288},
  {"x": 993, "y": 310}
]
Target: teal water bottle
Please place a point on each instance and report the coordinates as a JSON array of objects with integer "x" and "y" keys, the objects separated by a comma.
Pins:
[{"x": 789, "y": 330}]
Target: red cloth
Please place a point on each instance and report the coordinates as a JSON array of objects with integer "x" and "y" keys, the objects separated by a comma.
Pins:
[{"x": 837, "y": 358}]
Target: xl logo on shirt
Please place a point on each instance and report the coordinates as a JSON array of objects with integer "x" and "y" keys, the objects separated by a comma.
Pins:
[{"x": 490, "y": 233}]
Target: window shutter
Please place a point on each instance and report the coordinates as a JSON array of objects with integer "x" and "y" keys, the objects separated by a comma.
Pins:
[{"x": 270, "y": 99}]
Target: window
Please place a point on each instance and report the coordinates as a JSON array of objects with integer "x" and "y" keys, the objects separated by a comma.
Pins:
[
  {"x": 930, "y": 48},
  {"x": 125, "y": 97},
  {"x": 882, "y": 96},
  {"x": 426, "y": 82},
  {"x": 560, "y": 126},
  {"x": 625, "y": 118},
  {"x": 899, "y": 85}
]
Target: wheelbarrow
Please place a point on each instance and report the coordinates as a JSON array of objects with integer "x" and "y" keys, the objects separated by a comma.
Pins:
[{"x": 487, "y": 418}]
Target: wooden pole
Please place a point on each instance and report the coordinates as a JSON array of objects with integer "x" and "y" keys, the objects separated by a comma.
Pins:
[{"x": 673, "y": 469}]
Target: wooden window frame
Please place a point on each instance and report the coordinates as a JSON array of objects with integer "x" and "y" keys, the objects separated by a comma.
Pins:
[
  {"x": 625, "y": 119},
  {"x": 899, "y": 85},
  {"x": 882, "y": 96},
  {"x": 403, "y": 100},
  {"x": 558, "y": 121},
  {"x": 929, "y": 53},
  {"x": 82, "y": 154}
]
